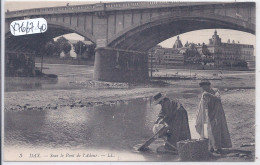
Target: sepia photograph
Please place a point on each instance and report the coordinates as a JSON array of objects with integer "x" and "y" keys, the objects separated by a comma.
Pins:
[{"x": 138, "y": 81}]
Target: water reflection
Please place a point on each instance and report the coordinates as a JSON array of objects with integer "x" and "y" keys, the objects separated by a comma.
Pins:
[
  {"x": 65, "y": 73},
  {"x": 119, "y": 126},
  {"x": 24, "y": 127}
]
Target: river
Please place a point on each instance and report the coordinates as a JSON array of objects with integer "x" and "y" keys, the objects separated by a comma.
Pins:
[{"x": 117, "y": 127}]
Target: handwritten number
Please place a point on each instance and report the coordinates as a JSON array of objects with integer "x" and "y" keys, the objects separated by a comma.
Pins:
[
  {"x": 22, "y": 28},
  {"x": 13, "y": 28},
  {"x": 32, "y": 26},
  {"x": 42, "y": 27}
]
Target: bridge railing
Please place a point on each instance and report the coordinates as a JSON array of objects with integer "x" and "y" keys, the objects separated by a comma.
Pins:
[
  {"x": 50, "y": 10},
  {"x": 140, "y": 4},
  {"x": 91, "y": 8}
]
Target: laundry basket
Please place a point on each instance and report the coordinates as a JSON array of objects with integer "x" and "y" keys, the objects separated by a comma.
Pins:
[{"x": 195, "y": 149}]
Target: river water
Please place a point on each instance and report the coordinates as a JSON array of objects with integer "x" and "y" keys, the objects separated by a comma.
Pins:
[
  {"x": 73, "y": 74},
  {"x": 117, "y": 127}
]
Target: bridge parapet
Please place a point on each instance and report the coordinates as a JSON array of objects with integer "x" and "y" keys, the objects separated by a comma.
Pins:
[
  {"x": 96, "y": 7},
  {"x": 51, "y": 10},
  {"x": 124, "y": 5}
]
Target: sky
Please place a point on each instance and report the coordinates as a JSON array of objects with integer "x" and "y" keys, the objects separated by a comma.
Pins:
[{"x": 198, "y": 36}]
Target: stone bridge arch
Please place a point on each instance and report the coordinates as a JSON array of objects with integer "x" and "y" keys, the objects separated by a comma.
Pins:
[
  {"x": 143, "y": 36},
  {"x": 33, "y": 42}
]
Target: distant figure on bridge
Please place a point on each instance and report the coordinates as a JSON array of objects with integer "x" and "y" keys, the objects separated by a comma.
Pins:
[
  {"x": 68, "y": 4},
  {"x": 175, "y": 116},
  {"x": 211, "y": 119}
]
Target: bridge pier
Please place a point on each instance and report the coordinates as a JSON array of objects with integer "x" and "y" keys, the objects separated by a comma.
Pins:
[{"x": 115, "y": 65}]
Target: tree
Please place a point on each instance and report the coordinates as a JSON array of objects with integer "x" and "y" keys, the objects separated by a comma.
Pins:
[
  {"x": 50, "y": 48},
  {"x": 63, "y": 45},
  {"x": 192, "y": 55},
  {"x": 66, "y": 47},
  {"x": 80, "y": 49},
  {"x": 58, "y": 49},
  {"x": 91, "y": 50},
  {"x": 205, "y": 50},
  {"x": 206, "y": 55}
]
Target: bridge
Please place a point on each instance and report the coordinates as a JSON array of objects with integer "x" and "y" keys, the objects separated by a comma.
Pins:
[{"x": 125, "y": 31}]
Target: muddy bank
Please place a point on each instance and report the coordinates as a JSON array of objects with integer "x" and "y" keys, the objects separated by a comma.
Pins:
[{"x": 49, "y": 99}]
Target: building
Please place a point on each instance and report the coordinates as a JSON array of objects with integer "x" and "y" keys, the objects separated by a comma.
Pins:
[
  {"x": 172, "y": 56},
  {"x": 215, "y": 53},
  {"x": 227, "y": 54},
  {"x": 167, "y": 56},
  {"x": 177, "y": 43}
]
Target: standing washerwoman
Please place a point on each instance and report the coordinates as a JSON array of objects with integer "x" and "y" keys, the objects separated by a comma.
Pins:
[{"x": 211, "y": 119}]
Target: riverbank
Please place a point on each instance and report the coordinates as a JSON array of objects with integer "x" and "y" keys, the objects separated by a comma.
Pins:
[
  {"x": 238, "y": 105},
  {"x": 69, "y": 106},
  {"x": 92, "y": 96}
]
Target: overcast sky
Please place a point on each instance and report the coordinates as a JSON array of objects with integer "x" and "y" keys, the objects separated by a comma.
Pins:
[{"x": 198, "y": 36}]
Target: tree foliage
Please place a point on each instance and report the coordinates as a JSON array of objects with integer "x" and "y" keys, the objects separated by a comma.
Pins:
[
  {"x": 91, "y": 50},
  {"x": 80, "y": 49},
  {"x": 207, "y": 58},
  {"x": 51, "y": 48},
  {"x": 64, "y": 45},
  {"x": 192, "y": 55},
  {"x": 84, "y": 51},
  {"x": 205, "y": 50}
]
